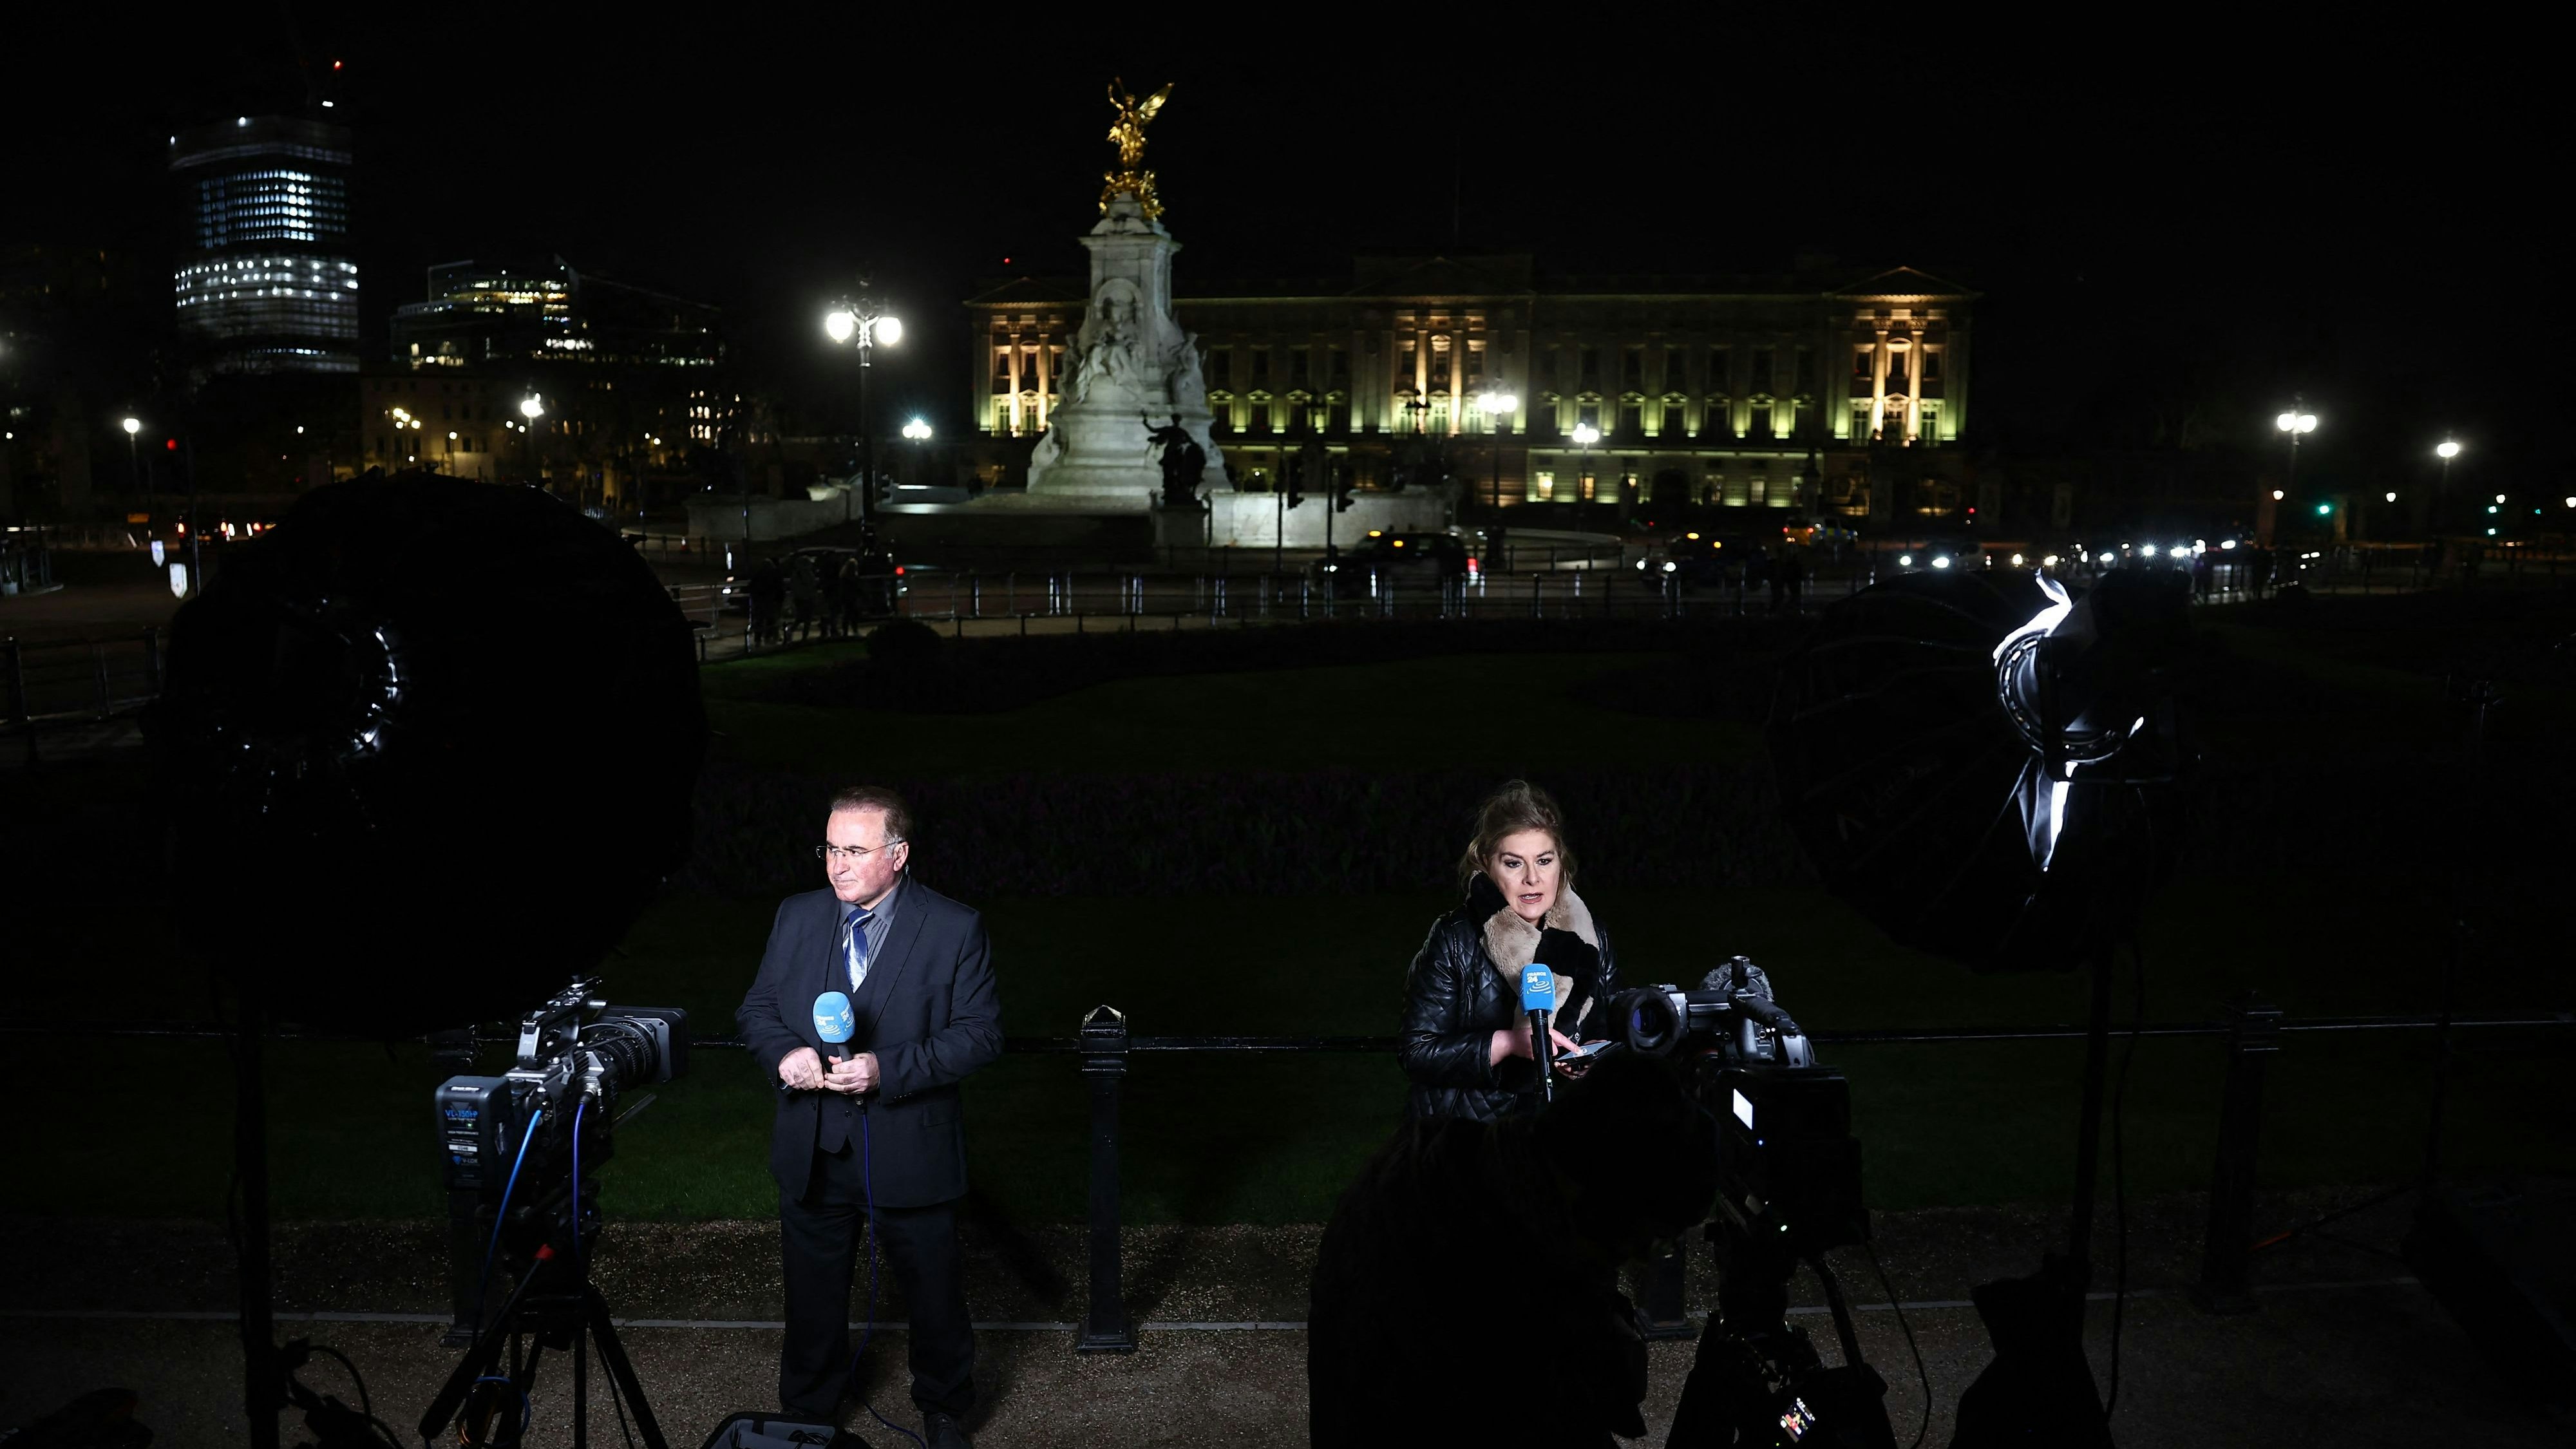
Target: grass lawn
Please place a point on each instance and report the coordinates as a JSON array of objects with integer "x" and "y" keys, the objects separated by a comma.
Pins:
[
  {"x": 1273, "y": 1139},
  {"x": 1551, "y": 709}
]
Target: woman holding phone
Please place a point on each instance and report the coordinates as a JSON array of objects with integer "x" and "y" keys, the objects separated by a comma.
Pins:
[{"x": 1464, "y": 1041}]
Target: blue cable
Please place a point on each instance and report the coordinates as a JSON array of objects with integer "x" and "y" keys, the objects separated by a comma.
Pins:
[
  {"x": 527, "y": 1410},
  {"x": 867, "y": 1185},
  {"x": 483, "y": 1289}
]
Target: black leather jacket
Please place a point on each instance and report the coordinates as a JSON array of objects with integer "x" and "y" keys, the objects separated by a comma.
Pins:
[{"x": 1454, "y": 1002}]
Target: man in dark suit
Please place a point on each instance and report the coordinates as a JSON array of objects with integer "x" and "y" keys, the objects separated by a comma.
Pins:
[{"x": 874, "y": 1135}]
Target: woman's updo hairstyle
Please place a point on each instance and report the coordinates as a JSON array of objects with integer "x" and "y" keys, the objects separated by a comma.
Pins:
[{"x": 1517, "y": 805}]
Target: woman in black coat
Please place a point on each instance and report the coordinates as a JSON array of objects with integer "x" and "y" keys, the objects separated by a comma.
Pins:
[{"x": 1464, "y": 1041}]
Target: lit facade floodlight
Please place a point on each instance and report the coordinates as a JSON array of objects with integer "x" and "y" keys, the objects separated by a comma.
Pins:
[
  {"x": 839, "y": 325},
  {"x": 530, "y": 408},
  {"x": 2447, "y": 451},
  {"x": 133, "y": 426}
]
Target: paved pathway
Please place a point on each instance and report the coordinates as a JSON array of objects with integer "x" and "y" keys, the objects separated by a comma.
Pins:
[{"x": 2345, "y": 1351}]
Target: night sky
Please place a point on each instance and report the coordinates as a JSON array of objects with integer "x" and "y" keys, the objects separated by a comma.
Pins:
[{"x": 2165, "y": 230}]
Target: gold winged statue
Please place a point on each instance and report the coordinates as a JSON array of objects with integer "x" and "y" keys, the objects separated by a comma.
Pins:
[{"x": 1128, "y": 135}]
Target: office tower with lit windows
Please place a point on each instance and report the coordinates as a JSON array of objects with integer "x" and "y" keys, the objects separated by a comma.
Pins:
[{"x": 266, "y": 273}]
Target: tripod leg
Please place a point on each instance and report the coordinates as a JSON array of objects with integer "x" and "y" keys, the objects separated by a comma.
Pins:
[
  {"x": 613, "y": 1350},
  {"x": 478, "y": 1360}
]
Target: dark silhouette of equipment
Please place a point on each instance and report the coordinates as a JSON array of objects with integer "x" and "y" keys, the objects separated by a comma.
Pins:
[
  {"x": 1983, "y": 764},
  {"x": 426, "y": 748}
]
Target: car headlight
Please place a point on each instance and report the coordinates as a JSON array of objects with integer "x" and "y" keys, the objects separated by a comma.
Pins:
[
  {"x": 1669, "y": 566},
  {"x": 1941, "y": 563},
  {"x": 1905, "y": 560}
]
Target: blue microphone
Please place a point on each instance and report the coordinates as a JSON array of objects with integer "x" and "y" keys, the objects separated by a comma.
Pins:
[
  {"x": 1538, "y": 998},
  {"x": 833, "y": 1022}
]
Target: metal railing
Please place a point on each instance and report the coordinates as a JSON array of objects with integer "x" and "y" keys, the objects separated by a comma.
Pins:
[
  {"x": 49, "y": 680},
  {"x": 2253, "y": 1030}
]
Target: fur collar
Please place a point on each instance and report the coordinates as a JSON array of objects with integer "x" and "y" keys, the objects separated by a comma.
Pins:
[{"x": 1512, "y": 943}]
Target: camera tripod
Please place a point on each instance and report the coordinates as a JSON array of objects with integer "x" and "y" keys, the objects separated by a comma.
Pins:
[
  {"x": 555, "y": 1304},
  {"x": 1756, "y": 1381}
]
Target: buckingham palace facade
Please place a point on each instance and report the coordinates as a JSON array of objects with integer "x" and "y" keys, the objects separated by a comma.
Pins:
[{"x": 1839, "y": 398}]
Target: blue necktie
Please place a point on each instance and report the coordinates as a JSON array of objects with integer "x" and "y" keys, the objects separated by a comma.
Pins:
[{"x": 857, "y": 950}]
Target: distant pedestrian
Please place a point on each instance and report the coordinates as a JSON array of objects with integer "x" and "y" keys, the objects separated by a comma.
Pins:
[
  {"x": 852, "y": 599},
  {"x": 768, "y": 597},
  {"x": 805, "y": 595}
]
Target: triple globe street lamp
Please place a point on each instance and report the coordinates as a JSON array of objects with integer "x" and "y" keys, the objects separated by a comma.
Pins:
[{"x": 864, "y": 324}]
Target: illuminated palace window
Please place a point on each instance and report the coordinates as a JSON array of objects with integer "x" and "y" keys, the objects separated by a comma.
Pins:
[{"x": 1542, "y": 487}]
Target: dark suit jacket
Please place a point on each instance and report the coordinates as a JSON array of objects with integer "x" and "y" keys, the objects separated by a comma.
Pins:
[{"x": 928, "y": 1011}]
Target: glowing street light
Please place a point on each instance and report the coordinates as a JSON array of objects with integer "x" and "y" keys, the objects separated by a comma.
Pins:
[
  {"x": 860, "y": 322},
  {"x": 917, "y": 430}
]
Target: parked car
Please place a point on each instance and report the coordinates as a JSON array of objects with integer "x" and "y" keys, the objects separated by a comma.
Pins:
[{"x": 1409, "y": 561}]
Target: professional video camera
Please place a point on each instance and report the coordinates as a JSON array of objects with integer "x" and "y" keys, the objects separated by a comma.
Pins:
[
  {"x": 522, "y": 1153},
  {"x": 1789, "y": 1190}
]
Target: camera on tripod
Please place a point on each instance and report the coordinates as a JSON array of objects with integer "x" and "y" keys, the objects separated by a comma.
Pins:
[
  {"x": 1789, "y": 1190},
  {"x": 1789, "y": 1166},
  {"x": 520, "y": 1148}
]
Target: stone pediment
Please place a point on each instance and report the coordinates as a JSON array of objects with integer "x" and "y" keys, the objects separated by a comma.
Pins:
[
  {"x": 1902, "y": 284},
  {"x": 1438, "y": 277}
]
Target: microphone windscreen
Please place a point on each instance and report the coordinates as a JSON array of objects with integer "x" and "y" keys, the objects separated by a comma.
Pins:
[
  {"x": 833, "y": 1020},
  {"x": 1538, "y": 988}
]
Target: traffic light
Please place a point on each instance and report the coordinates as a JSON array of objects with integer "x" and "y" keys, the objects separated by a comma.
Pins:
[{"x": 1296, "y": 481}]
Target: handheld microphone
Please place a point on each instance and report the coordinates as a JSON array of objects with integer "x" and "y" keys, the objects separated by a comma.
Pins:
[
  {"x": 833, "y": 1022},
  {"x": 1538, "y": 998}
]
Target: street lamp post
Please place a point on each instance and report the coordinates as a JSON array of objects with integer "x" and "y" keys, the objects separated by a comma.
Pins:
[
  {"x": 864, "y": 324},
  {"x": 1585, "y": 435},
  {"x": 1499, "y": 402},
  {"x": 133, "y": 458},
  {"x": 2446, "y": 450},
  {"x": 2298, "y": 425},
  {"x": 531, "y": 408}
]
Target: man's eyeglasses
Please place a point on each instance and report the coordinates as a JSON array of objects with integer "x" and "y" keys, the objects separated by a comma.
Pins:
[{"x": 851, "y": 853}]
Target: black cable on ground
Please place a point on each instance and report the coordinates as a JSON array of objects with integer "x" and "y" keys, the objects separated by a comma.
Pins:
[{"x": 1921, "y": 1375}]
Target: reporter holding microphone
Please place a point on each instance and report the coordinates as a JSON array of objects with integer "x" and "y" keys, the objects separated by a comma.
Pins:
[
  {"x": 875, "y": 998},
  {"x": 1465, "y": 1042}
]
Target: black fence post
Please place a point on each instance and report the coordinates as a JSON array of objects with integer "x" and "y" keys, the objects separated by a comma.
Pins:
[
  {"x": 2225, "y": 1286},
  {"x": 1105, "y": 1328},
  {"x": 1662, "y": 1317},
  {"x": 17, "y": 684}
]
